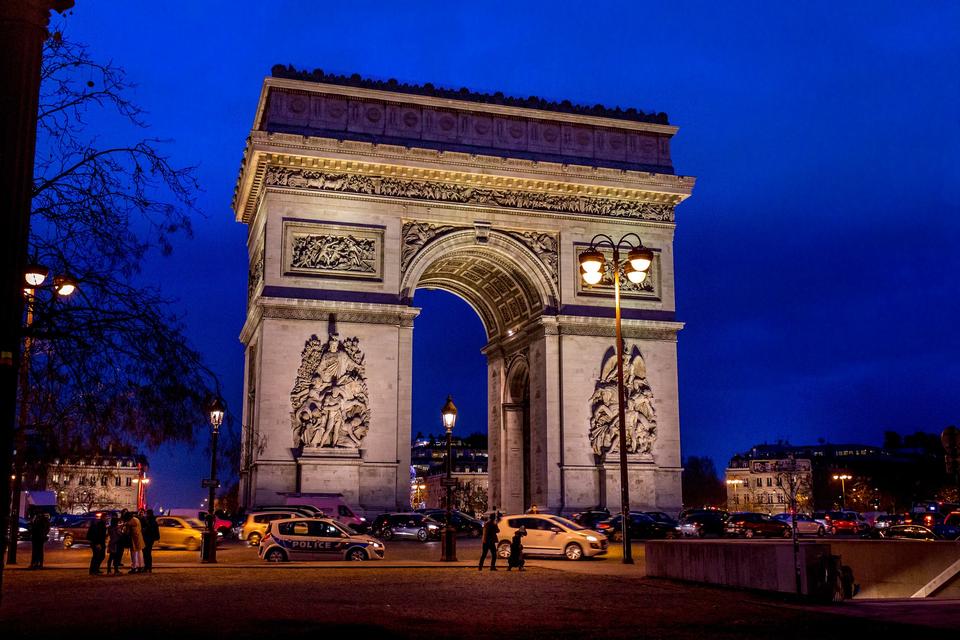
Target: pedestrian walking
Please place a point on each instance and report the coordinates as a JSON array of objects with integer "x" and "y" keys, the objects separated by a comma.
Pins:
[
  {"x": 134, "y": 530},
  {"x": 97, "y": 537},
  {"x": 151, "y": 535},
  {"x": 490, "y": 536},
  {"x": 516, "y": 549},
  {"x": 114, "y": 546},
  {"x": 39, "y": 531}
]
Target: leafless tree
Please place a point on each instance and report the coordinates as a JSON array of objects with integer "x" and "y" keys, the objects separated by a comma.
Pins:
[{"x": 111, "y": 364}]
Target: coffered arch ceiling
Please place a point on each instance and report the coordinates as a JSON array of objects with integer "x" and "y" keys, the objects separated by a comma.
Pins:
[{"x": 500, "y": 293}]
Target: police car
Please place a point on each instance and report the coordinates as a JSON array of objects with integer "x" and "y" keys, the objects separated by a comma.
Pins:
[{"x": 316, "y": 539}]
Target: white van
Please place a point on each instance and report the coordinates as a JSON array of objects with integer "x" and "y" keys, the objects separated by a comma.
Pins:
[{"x": 332, "y": 505}]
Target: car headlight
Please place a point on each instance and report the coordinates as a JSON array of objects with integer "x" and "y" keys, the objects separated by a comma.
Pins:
[
  {"x": 377, "y": 545},
  {"x": 593, "y": 538},
  {"x": 431, "y": 526}
]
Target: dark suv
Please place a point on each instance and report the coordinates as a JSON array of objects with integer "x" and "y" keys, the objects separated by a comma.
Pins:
[
  {"x": 591, "y": 517},
  {"x": 641, "y": 525},
  {"x": 701, "y": 524},
  {"x": 461, "y": 522},
  {"x": 396, "y": 526},
  {"x": 750, "y": 525}
]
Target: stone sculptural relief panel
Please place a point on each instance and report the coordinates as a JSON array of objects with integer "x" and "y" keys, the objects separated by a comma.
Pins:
[
  {"x": 333, "y": 250},
  {"x": 329, "y": 400},
  {"x": 641, "y": 415},
  {"x": 649, "y": 289}
]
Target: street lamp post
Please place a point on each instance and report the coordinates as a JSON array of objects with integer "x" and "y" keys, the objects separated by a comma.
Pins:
[
  {"x": 215, "y": 411},
  {"x": 449, "y": 546},
  {"x": 842, "y": 477},
  {"x": 735, "y": 483},
  {"x": 592, "y": 266},
  {"x": 34, "y": 276}
]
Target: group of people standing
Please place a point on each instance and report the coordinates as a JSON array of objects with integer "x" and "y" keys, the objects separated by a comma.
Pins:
[{"x": 137, "y": 532}]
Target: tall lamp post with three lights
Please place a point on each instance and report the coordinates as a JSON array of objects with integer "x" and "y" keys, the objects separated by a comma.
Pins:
[
  {"x": 593, "y": 265},
  {"x": 449, "y": 546},
  {"x": 209, "y": 546}
]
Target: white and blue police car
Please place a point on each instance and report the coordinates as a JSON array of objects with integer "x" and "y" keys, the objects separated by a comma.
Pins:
[{"x": 316, "y": 539}]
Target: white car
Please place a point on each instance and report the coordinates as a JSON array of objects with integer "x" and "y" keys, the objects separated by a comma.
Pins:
[
  {"x": 806, "y": 525},
  {"x": 316, "y": 539},
  {"x": 551, "y": 536}
]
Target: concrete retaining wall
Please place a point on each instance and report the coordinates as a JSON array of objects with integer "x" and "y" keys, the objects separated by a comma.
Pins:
[
  {"x": 749, "y": 565},
  {"x": 897, "y": 568},
  {"x": 881, "y": 568}
]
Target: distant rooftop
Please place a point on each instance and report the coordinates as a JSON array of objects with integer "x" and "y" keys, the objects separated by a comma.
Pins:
[{"x": 533, "y": 102}]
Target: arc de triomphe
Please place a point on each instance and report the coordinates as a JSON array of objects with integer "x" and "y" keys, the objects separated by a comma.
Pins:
[{"x": 356, "y": 193}]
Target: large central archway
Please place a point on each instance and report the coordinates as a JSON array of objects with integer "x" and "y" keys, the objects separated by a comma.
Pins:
[{"x": 506, "y": 284}]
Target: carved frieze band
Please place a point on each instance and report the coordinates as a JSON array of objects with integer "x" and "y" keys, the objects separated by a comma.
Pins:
[
  {"x": 333, "y": 250},
  {"x": 314, "y": 180}
]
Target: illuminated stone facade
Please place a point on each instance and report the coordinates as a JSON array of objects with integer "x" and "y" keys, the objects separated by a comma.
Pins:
[{"x": 357, "y": 194}]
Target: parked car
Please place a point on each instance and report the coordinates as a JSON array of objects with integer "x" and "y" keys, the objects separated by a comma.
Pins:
[
  {"x": 848, "y": 522},
  {"x": 23, "y": 529},
  {"x": 256, "y": 524},
  {"x": 461, "y": 522},
  {"x": 884, "y": 521},
  {"x": 660, "y": 516},
  {"x": 720, "y": 513},
  {"x": 908, "y": 532},
  {"x": 591, "y": 517},
  {"x": 316, "y": 539},
  {"x": 180, "y": 533},
  {"x": 551, "y": 535},
  {"x": 75, "y": 533},
  {"x": 756, "y": 525},
  {"x": 641, "y": 525},
  {"x": 700, "y": 524},
  {"x": 415, "y": 526},
  {"x": 806, "y": 525},
  {"x": 949, "y": 529}
]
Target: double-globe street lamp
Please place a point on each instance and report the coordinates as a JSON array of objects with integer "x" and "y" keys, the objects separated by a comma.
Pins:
[
  {"x": 448, "y": 550},
  {"x": 593, "y": 267},
  {"x": 209, "y": 546},
  {"x": 34, "y": 276}
]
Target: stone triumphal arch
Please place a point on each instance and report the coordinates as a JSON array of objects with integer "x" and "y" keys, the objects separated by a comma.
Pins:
[{"x": 356, "y": 193}]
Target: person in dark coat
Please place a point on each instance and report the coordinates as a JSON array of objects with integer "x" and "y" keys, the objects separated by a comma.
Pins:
[
  {"x": 516, "y": 549},
  {"x": 39, "y": 531},
  {"x": 151, "y": 535},
  {"x": 97, "y": 537},
  {"x": 114, "y": 546},
  {"x": 490, "y": 535}
]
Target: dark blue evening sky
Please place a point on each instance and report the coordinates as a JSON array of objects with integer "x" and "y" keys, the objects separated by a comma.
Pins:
[{"x": 816, "y": 261}]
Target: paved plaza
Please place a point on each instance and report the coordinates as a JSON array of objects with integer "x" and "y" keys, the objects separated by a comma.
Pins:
[{"x": 412, "y": 594}]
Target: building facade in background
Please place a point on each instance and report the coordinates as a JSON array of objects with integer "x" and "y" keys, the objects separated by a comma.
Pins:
[
  {"x": 92, "y": 483},
  {"x": 356, "y": 193},
  {"x": 768, "y": 486}
]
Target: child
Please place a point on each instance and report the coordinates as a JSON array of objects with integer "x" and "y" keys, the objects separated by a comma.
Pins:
[{"x": 516, "y": 550}]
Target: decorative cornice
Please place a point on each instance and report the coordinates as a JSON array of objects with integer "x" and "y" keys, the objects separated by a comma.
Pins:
[
  {"x": 279, "y": 149},
  {"x": 284, "y": 309}
]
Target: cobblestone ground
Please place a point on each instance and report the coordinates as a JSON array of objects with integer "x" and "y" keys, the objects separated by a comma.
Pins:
[{"x": 552, "y": 599}]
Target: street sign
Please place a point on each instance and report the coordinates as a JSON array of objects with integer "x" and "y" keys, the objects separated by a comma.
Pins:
[
  {"x": 449, "y": 482},
  {"x": 207, "y": 484}
]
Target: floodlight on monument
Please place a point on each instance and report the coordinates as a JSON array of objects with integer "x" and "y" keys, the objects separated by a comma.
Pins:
[
  {"x": 591, "y": 261},
  {"x": 35, "y": 274},
  {"x": 640, "y": 258},
  {"x": 591, "y": 277},
  {"x": 449, "y": 413},
  {"x": 64, "y": 285}
]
